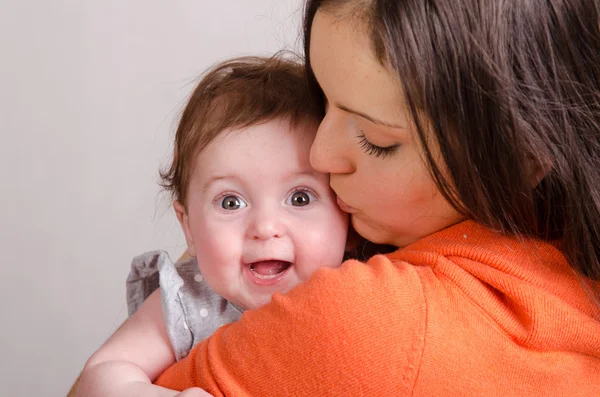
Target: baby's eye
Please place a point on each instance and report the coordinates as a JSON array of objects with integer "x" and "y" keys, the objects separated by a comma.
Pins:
[
  {"x": 300, "y": 198},
  {"x": 232, "y": 203}
]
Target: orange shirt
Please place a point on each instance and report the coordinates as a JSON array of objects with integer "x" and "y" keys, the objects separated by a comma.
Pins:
[{"x": 463, "y": 312}]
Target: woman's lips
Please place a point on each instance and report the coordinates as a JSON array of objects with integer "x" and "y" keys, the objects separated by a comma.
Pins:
[{"x": 345, "y": 207}]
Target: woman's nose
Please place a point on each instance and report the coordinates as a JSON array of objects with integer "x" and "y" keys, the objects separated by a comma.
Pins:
[
  {"x": 330, "y": 152},
  {"x": 266, "y": 224}
]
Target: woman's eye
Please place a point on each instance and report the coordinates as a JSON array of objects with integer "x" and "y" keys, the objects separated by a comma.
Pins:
[
  {"x": 375, "y": 150},
  {"x": 300, "y": 198},
  {"x": 232, "y": 203}
]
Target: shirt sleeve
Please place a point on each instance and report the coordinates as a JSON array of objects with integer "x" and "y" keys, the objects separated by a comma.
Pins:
[
  {"x": 355, "y": 330},
  {"x": 143, "y": 279}
]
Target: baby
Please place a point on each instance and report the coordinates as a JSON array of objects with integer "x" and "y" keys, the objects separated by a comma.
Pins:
[{"x": 257, "y": 218}]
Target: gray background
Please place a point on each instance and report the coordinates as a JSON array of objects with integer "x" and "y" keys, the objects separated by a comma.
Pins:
[{"x": 89, "y": 96}]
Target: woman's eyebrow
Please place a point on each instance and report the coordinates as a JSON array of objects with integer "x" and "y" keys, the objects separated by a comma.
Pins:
[
  {"x": 370, "y": 118},
  {"x": 373, "y": 120}
]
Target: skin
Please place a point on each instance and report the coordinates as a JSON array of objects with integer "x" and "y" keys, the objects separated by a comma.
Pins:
[
  {"x": 389, "y": 193},
  {"x": 372, "y": 188},
  {"x": 391, "y": 198},
  {"x": 253, "y": 196},
  {"x": 281, "y": 209}
]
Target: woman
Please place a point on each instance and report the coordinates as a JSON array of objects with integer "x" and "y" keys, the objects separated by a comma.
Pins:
[{"x": 467, "y": 133}]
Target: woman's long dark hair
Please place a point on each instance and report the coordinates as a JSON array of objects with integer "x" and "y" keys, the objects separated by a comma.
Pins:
[{"x": 505, "y": 88}]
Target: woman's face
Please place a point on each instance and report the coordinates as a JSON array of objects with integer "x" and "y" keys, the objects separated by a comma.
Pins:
[{"x": 366, "y": 140}]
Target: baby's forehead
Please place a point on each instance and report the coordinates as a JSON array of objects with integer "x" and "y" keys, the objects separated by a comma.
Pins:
[
  {"x": 305, "y": 128},
  {"x": 276, "y": 134},
  {"x": 276, "y": 150},
  {"x": 257, "y": 181}
]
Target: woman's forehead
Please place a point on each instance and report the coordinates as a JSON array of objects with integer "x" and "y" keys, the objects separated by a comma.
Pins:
[{"x": 350, "y": 75}]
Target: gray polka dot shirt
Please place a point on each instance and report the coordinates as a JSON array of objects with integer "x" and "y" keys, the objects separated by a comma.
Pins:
[{"x": 192, "y": 310}]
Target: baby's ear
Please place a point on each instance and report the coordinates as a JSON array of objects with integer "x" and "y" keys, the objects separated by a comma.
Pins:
[{"x": 184, "y": 221}]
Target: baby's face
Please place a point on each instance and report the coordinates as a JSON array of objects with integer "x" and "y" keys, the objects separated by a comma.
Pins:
[{"x": 259, "y": 218}]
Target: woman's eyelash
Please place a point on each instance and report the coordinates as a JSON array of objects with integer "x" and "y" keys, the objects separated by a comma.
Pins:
[{"x": 374, "y": 150}]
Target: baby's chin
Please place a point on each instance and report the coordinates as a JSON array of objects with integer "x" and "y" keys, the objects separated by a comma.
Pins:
[
  {"x": 251, "y": 303},
  {"x": 255, "y": 301}
]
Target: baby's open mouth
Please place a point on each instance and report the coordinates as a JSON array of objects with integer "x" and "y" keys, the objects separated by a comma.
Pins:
[{"x": 269, "y": 269}]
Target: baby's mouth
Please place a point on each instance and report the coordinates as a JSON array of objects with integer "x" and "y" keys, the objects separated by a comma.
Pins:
[{"x": 265, "y": 270}]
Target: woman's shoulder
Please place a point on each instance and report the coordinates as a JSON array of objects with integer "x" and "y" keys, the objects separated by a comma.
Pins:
[
  {"x": 380, "y": 273},
  {"x": 361, "y": 318},
  {"x": 473, "y": 242}
]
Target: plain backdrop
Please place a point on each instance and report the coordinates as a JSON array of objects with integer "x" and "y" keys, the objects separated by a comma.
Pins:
[{"x": 90, "y": 92}]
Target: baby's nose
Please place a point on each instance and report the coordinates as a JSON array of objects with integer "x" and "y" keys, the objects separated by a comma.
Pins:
[{"x": 267, "y": 225}]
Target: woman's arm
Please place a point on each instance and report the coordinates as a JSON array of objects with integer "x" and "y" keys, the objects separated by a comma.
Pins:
[
  {"x": 132, "y": 358},
  {"x": 356, "y": 328}
]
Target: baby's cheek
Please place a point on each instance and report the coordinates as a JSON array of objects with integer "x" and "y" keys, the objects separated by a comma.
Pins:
[
  {"x": 320, "y": 251},
  {"x": 216, "y": 247}
]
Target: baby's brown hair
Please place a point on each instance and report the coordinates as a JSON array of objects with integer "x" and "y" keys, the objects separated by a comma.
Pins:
[{"x": 237, "y": 93}]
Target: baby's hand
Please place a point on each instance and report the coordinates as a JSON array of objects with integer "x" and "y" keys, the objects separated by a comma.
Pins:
[{"x": 194, "y": 392}]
